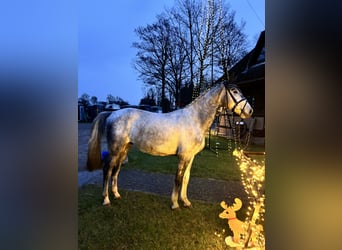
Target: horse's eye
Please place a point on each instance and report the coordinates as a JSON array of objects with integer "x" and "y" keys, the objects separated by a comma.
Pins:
[{"x": 235, "y": 91}]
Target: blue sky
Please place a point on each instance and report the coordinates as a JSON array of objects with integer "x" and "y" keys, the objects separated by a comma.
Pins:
[{"x": 106, "y": 34}]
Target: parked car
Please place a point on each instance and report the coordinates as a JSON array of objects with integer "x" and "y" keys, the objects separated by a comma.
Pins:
[
  {"x": 129, "y": 106},
  {"x": 112, "y": 107}
]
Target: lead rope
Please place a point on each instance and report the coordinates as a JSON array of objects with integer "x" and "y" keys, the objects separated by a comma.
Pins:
[
  {"x": 236, "y": 133},
  {"x": 230, "y": 119},
  {"x": 217, "y": 128},
  {"x": 248, "y": 136},
  {"x": 232, "y": 124}
]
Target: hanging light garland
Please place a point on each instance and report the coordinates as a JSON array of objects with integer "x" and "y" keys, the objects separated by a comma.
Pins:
[{"x": 248, "y": 234}]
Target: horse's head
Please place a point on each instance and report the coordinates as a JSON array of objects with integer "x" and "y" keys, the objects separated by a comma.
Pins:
[{"x": 237, "y": 102}]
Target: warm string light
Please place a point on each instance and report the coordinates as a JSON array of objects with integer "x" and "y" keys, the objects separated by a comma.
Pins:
[
  {"x": 253, "y": 177},
  {"x": 196, "y": 91}
]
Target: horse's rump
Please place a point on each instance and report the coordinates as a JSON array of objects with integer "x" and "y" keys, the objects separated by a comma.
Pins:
[{"x": 94, "y": 144}]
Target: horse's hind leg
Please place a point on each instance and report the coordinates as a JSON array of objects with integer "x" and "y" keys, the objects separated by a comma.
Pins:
[
  {"x": 108, "y": 173},
  {"x": 115, "y": 181},
  {"x": 121, "y": 157}
]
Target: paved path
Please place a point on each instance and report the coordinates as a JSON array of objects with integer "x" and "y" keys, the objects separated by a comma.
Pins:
[
  {"x": 203, "y": 189},
  {"x": 208, "y": 190}
]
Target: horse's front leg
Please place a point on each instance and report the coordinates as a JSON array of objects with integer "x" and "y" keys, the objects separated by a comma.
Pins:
[
  {"x": 185, "y": 183},
  {"x": 177, "y": 184},
  {"x": 183, "y": 165}
]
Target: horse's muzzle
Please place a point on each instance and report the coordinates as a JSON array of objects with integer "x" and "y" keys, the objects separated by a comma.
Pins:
[{"x": 246, "y": 112}]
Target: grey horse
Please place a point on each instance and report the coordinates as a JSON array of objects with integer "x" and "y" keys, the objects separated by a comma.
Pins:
[{"x": 181, "y": 132}]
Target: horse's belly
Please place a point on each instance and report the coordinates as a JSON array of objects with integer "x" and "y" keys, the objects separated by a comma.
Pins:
[
  {"x": 161, "y": 145},
  {"x": 158, "y": 150}
]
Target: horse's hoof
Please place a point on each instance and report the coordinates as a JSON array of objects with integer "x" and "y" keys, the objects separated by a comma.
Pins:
[
  {"x": 117, "y": 197},
  {"x": 174, "y": 207},
  {"x": 116, "y": 194},
  {"x": 106, "y": 201},
  {"x": 187, "y": 203},
  {"x": 188, "y": 206}
]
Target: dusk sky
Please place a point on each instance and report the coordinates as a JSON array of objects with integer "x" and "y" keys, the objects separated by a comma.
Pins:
[{"x": 106, "y": 34}]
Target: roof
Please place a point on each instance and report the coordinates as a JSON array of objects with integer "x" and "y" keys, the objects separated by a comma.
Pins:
[{"x": 251, "y": 67}]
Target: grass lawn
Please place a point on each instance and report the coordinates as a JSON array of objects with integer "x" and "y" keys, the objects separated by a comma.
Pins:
[
  {"x": 145, "y": 221},
  {"x": 206, "y": 164}
]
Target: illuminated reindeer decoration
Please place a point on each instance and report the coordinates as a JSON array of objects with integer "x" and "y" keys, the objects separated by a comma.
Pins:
[{"x": 237, "y": 226}]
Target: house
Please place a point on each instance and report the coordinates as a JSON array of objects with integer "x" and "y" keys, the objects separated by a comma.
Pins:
[{"x": 249, "y": 75}]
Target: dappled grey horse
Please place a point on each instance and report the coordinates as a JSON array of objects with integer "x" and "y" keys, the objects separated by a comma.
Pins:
[{"x": 181, "y": 132}]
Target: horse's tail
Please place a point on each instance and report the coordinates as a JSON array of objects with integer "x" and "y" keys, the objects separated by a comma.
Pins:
[{"x": 94, "y": 143}]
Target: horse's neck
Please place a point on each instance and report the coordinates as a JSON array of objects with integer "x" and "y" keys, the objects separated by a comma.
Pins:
[{"x": 205, "y": 107}]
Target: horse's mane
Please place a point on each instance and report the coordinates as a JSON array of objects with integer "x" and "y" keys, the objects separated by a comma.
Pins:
[{"x": 200, "y": 97}]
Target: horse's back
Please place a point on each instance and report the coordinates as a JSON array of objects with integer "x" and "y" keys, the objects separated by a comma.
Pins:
[
  {"x": 150, "y": 132},
  {"x": 124, "y": 122}
]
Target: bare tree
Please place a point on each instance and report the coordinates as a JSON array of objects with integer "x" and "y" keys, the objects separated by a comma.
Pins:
[
  {"x": 177, "y": 55},
  {"x": 152, "y": 55},
  {"x": 117, "y": 100},
  {"x": 230, "y": 43},
  {"x": 213, "y": 38},
  {"x": 176, "y": 50},
  {"x": 203, "y": 33},
  {"x": 93, "y": 100},
  {"x": 110, "y": 98},
  {"x": 85, "y": 99},
  {"x": 149, "y": 98},
  {"x": 187, "y": 12}
]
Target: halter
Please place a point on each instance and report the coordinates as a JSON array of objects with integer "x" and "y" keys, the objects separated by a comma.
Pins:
[{"x": 228, "y": 88}]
